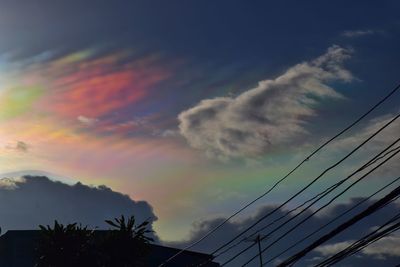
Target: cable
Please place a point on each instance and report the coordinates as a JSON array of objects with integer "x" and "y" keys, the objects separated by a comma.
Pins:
[
  {"x": 333, "y": 220},
  {"x": 363, "y": 242},
  {"x": 311, "y": 183},
  {"x": 320, "y": 195},
  {"x": 366, "y": 243},
  {"x": 316, "y": 179},
  {"x": 325, "y": 205},
  {"x": 277, "y": 219},
  {"x": 309, "y": 200},
  {"x": 339, "y": 183},
  {"x": 392, "y": 92},
  {"x": 368, "y": 211}
]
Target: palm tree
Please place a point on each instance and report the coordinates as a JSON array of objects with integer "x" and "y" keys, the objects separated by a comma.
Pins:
[
  {"x": 126, "y": 244},
  {"x": 61, "y": 246}
]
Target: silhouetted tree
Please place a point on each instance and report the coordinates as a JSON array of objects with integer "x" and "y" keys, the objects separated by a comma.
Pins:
[
  {"x": 126, "y": 244},
  {"x": 68, "y": 245}
]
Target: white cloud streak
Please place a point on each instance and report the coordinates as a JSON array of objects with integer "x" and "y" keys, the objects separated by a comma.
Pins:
[{"x": 357, "y": 33}]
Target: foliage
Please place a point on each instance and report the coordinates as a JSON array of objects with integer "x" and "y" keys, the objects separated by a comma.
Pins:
[
  {"x": 125, "y": 245},
  {"x": 61, "y": 246}
]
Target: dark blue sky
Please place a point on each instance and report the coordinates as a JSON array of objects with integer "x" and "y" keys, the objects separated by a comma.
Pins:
[{"x": 235, "y": 37}]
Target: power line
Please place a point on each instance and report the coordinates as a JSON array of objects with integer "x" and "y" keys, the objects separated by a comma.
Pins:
[
  {"x": 277, "y": 219},
  {"x": 368, "y": 211},
  {"x": 360, "y": 246},
  {"x": 337, "y": 184},
  {"x": 319, "y": 209},
  {"x": 392, "y": 92},
  {"x": 364, "y": 241},
  {"x": 312, "y": 182},
  {"x": 333, "y": 220},
  {"x": 319, "y": 196},
  {"x": 322, "y": 194}
]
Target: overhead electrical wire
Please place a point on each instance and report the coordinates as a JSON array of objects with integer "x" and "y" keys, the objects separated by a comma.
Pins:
[
  {"x": 366, "y": 212},
  {"x": 364, "y": 200},
  {"x": 312, "y": 182},
  {"x": 327, "y": 204},
  {"x": 309, "y": 200},
  {"x": 351, "y": 125},
  {"x": 309, "y": 216},
  {"x": 365, "y": 241}
]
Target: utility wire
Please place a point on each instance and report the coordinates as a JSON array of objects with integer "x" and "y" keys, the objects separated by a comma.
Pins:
[
  {"x": 325, "y": 205},
  {"x": 368, "y": 211},
  {"x": 273, "y": 222},
  {"x": 369, "y": 241},
  {"x": 333, "y": 220},
  {"x": 277, "y": 219},
  {"x": 315, "y": 180},
  {"x": 392, "y": 92},
  {"x": 309, "y": 200},
  {"x": 309, "y": 184},
  {"x": 320, "y": 195},
  {"x": 363, "y": 242}
]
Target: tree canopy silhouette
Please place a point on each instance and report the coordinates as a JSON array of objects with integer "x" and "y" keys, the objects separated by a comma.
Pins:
[{"x": 124, "y": 245}]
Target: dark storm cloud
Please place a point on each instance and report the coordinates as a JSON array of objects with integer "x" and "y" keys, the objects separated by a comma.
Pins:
[
  {"x": 32, "y": 200},
  {"x": 375, "y": 255}
]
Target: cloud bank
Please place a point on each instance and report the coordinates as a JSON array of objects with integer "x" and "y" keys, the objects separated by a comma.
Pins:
[
  {"x": 272, "y": 114},
  {"x": 32, "y": 200}
]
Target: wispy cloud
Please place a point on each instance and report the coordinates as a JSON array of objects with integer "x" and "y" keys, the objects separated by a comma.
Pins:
[
  {"x": 357, "y": 33},
  {"x": 19, "y": 146},
  {"x": 87, "y": 121}
]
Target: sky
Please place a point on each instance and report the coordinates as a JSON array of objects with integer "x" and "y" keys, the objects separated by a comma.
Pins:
[{"x": 192, "y": 107}]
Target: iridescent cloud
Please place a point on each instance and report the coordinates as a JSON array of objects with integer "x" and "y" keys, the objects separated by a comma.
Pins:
[{"x": 100, "y": 87}]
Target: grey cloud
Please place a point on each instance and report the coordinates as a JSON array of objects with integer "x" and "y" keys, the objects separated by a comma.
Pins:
[
  {"x": 32, "y": 200},
  {"x": 370, "y": 257},
  {"x": 263, "y": 118}
]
